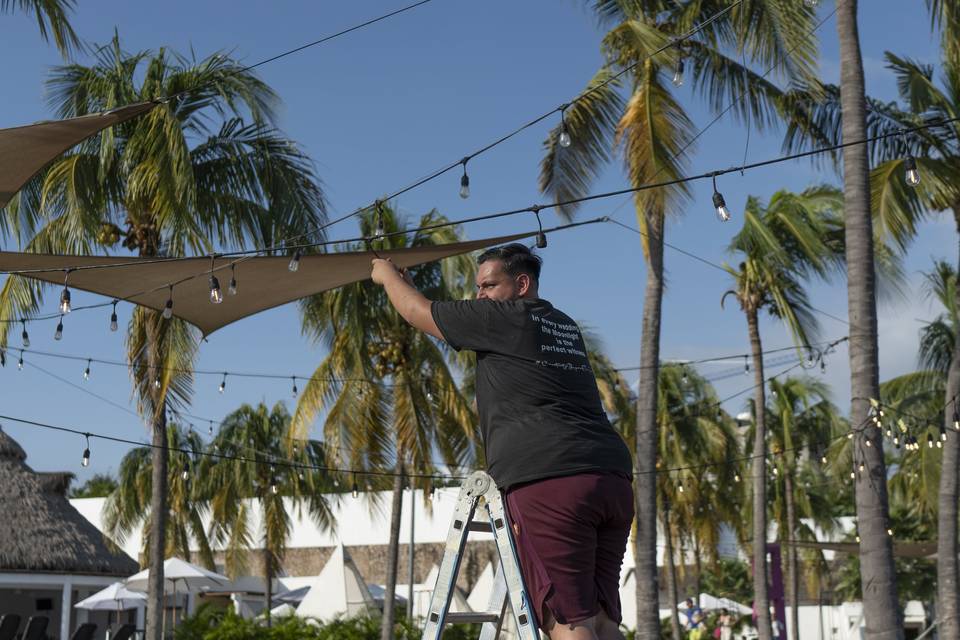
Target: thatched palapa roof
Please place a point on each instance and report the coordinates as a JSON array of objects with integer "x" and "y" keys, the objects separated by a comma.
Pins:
[{"x": 40, "y": 531}]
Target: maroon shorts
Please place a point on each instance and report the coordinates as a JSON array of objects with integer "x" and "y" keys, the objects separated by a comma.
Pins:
[{"x": 571, "y": 533}]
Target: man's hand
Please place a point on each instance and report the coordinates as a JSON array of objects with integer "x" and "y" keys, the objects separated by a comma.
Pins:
[{"x": 383, "y": 269}]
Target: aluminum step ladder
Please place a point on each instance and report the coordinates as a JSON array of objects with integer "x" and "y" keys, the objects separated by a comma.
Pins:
[{"x": 480, "y": 507}]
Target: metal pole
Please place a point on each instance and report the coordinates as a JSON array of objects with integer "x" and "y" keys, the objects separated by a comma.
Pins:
[{"x": 413, "y": 507}]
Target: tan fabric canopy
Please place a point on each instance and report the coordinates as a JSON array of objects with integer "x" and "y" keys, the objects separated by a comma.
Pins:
[
  {"x": 26, "y": 150},
  {"x": 263, "y": 282},
  {"x": 900, "y": 549}
]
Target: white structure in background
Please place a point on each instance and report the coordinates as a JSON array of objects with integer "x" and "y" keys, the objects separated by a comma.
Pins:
[
  {"x": 339, "y": 590},
  {"x": 359, "y": 524}
]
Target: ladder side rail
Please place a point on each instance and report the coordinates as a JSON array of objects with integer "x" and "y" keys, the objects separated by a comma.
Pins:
[
  {"x": 450, "y": 565},
  {"x": 498, "y": 602},
  {"x": 510, "y": 565}
]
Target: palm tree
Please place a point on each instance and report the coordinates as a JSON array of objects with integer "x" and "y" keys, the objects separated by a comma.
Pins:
[
  {"x": 255, "y": 465},
  {"x": 803, "y": 421},
  {"x": 781, "y": 245},
  {"x": 651, "y": 130},
  {"x": 52, "y": 20},
  {"x": 129, "y": 505},
  {"x": 189, "y": 177},
  {"x": 391, "y": 401},
  {"x": 691, "y": 432},
  {"x": 897, "y": 209}
]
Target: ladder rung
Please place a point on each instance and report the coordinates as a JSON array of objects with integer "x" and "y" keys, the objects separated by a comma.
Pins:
[
  {"x": 471, "y": 617},
  {"x": 479, "y": 525}
]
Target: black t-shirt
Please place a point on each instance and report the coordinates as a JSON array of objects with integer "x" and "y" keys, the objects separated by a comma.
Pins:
[{"x": 540, "y": 410}]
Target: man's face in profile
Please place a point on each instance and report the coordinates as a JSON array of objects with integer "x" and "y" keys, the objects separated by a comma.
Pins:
[{"x": 494, "y": 283}]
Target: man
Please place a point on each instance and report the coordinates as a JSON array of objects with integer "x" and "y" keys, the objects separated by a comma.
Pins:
[
  {"x": 565, "y": 472},
  {"x": 694, "y": 616}
]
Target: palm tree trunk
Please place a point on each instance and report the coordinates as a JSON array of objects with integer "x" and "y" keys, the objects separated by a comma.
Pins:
[
  {"x": 158, "y": 527},
  {"x": 268, "y": 577},
  {"x": 880, "y": 607},
  {"x": 948, "y": 575},
  {"x": 671, "y": 575},
  {"x": 645, "y": 547},
  {"x": 790, "y": 549},
  {"x": 761, "y": 601},
  {"x": 389, "y": 614}
]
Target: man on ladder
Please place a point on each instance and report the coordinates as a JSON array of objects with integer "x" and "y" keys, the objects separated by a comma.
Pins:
[{"x": 565, "y": 472}]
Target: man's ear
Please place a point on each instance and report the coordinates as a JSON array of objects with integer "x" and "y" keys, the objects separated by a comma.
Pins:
[{"x": 523, "y": 284}]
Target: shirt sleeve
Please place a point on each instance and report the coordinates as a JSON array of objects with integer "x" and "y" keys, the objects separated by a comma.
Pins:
[{"x": 477, "y": 325}]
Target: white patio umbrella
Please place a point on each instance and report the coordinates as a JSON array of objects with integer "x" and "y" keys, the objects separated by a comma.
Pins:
[
  {"x": 116, "y": 596},
  {"x": 178, "y": 575}
]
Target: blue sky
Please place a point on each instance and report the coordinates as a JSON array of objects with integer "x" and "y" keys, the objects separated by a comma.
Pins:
[{"x": 380, "y": 107}]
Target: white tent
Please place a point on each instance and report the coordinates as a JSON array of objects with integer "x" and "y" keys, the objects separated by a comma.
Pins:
[
  {"x": 709, "y": 602},
  {"x": 339, "y": 590},
  {"x": 479, "y": 597},
  {"x": 423, "y": 593}
]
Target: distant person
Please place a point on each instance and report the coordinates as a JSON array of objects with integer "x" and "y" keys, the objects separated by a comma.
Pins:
[
  {"x": 726, "y": 622},
  {"x": 695, "y": 619}
]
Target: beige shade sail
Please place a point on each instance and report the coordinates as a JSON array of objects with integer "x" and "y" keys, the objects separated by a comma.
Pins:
[
  {"x": 26, "y": 150},
  {"x": 263, "y": 282}
]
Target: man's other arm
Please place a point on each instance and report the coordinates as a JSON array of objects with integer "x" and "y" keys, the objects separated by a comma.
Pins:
[{"x": 412, "y": 305}]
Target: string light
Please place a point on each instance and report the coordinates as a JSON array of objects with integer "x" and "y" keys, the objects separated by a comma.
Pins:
[
  {"x": 379, "y": 231},
  {"x": 930, "y": 441},
  {"x": 156, "y": 380},
  {"x": 233, "y": 288},
  {"x": 294, "y": 388},
  {"x": 823, "y": 458},
  {"x": 723, "y": 214},
  {"x": 86, "y": 372},
  {"x": 678, "y": 73},
  {"x": 746, "y": 364},
  {"x": 168, "y": 308},
  {"x": 65, "y": 295},
  {"x": 465, "y": 180},
  {"x": 58, "y": 334},
  {"x": 216, "y": 296},
  {"x": 113, "y": 317},
  {"x": 943, "y": 434},
  {"x": 294, "y": 264},
  {"x": 24, "y": 336},
  {"x": 564, "y": 138},
  {"x": 911, "y": 174},
  {"x": 223, "y": 383},
  {"x": 736, "y": 476},
  {"x": 541, "y": 242},
  {"x": 185, "y": 474},
  {"x": 85, "y": 461},
  {"x": 355, "y": 490},
  {"x": 20, "y": 363}
]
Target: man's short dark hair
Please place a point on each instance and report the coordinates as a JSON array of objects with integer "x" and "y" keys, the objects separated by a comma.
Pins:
[{"x": 517, "y": 258}]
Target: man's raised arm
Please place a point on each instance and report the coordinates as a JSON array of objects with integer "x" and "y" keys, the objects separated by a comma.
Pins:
[{"x": 412, "y": 305}]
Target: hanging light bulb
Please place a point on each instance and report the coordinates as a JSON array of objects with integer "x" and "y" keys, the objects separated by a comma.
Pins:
[
  {"x": 773, "y": 393},
  {"x": 210, "y": 429},
  {"x": 168, "y": 308},
  {"x": 678, "y": 73},
  {"x": 719, "y": 203},
  {"x": 930, "y": 440},
  {"x": 746, "y": 364},
  {"x": 216, "y": 296},
  {"x": 58, "y": 334},
  {"x": 86, "y": 372},
  {"x": 24, "y": 336},
  {"x": 295, "y": 260},
  {"x": 300, "y": 475},
  {"x": 294, "y": 389},
  {"x": 85, "y": 461},
  {"x": 156, "y": 380},
  {"x": 355, "y": 490},
  {"x": 185, "y": 474},
  {"x": 113, "y": 317},
  {"x": 65, "y": 297},
  {"x": 823, "y": 366},
  {"x": 943, "y": 434},
  {"x": 564, "y": 138},
  {"x": 684, "y": 379},
  {"x": 273, "y": 486},
  {"x": 823, "y": 458},
  {"x": 896, "y": 441},
  {"x": 464, "y": 181},
  {"x": 3, "y": 358},
  {"x": 956, "y": 419},
  {"x": 857, "y": 537},
  {"x": 223, "y": 383},
  {"x": 890, "y": 531},
  {"x": 232, "y": 287},
  {"x": 776, "y": 471},
  {"x": 868, "y": 442},
  {"x": 736, "y": 476},
  {"x": 20, "y": 362},
  {"x": 912, "y": 175}
]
